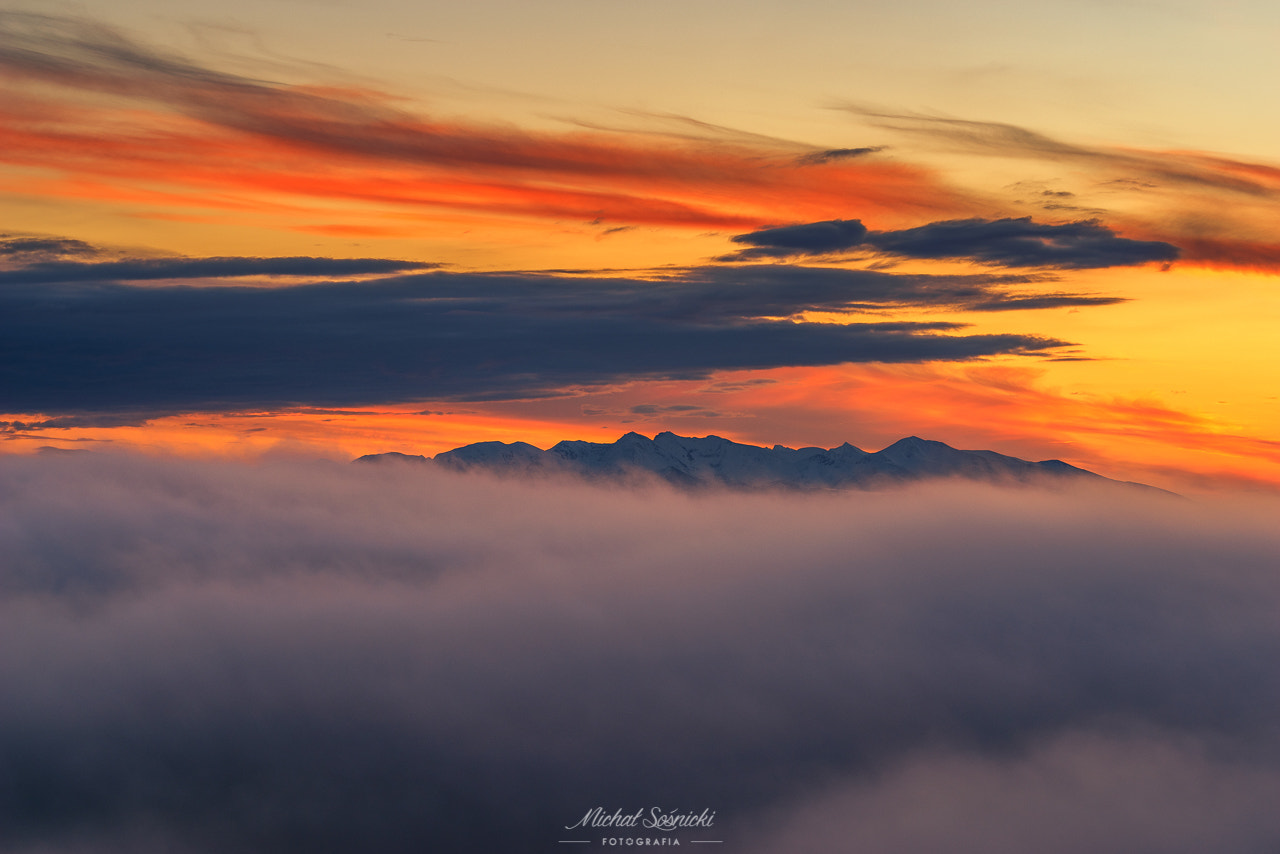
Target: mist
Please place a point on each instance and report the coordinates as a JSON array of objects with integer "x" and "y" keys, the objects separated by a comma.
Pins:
[{"x": 315, "y": 657}]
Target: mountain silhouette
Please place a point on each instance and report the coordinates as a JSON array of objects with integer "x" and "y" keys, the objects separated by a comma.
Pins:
[{"x": 712, "y": 461}]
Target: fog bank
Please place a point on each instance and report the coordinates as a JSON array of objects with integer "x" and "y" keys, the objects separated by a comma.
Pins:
[{"x": 321, "y": 658}]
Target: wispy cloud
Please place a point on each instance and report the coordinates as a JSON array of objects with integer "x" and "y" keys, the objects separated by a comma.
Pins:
[
  {"x": 1217, "y": 210},
  {"x": 1007, "y": 140},
  {"x": 830, "y": 154},
  {"x": 45, "y": 260},
  {"x": 811, "y": 238},
  {"x": 196, "y": 127},
  {"x": 27, "y": 250}
]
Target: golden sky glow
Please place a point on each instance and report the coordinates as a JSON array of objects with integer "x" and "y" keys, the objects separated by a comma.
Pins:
[{"x": 594, "y": 142}]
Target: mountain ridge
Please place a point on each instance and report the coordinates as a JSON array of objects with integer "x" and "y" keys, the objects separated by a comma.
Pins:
[{"x": 692, "y": 462}]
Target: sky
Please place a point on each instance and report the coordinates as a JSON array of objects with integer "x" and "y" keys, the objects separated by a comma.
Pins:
[
  {"x": 245, "y": 243},
  {"x": 1043, "y": 228}
]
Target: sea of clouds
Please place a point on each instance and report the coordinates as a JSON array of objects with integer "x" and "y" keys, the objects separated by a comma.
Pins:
[{"x": 296, "y": 656}]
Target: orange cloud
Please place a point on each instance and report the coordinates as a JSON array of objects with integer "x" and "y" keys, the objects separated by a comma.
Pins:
[
  {"x": 1264, "y": 176},
  {"x": 691, "y": 185},
  {"x": 1225, "y": 254},
  {"x": 152, "y": 122},
  {"x": 90, "y": 114}
]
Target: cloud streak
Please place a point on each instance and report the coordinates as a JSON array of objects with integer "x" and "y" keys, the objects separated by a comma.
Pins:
[
  {"x": 1217, "y": 210},
  {"x": 43, "y": 264},
  {"x": 195, "y": 137},
  {"x": 199, "y": 128},
  {"x": 209, "y": 657}
]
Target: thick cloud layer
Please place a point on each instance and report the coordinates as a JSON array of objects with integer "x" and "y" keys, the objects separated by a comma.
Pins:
[
  {"x": 1017, "y": 242},
  {"x": 305, "y": 657},
  {"x": 85, "y": 346}
]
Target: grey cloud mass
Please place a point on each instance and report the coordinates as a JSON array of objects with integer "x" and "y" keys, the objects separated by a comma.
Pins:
[
  {"x": 301, "y": 657},
  {"x": 1086, "y": 244},
  {"x": 74, "y": 341}
]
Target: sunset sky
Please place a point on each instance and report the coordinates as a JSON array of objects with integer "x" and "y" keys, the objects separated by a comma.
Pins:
[
  {"x": 331, "y": 228},
  {"x": 246, "y": 242}
]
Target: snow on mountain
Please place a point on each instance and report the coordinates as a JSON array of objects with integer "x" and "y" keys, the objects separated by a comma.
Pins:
[
  {"x": 514, "y": 456},
  {"x": 712, "y": 461}
]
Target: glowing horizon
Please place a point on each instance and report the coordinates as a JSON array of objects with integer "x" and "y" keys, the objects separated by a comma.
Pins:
[{"x": 1032, "y": 288}]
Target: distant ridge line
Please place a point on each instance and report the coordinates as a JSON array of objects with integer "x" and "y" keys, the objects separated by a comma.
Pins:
[{"x": 691, "y": 462}]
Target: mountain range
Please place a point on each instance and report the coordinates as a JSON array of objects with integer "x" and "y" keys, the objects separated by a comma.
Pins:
[{"x": 712, "y": 461}]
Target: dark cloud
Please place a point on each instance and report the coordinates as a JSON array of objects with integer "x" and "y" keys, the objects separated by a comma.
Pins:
[
  {"x": 737, "y": 385},
  {"x": 326, "y": 658},
  {"x": 1022, "y": 243},
  {"x": 779, "y": 290},
  {"x": 1043, "y": 301},
  {"x": 654, "y": 408},
  {"x": 817, "y": 157},
  {"x": 27, "y": 249},
  {"x": 1086, "y": 244},
  {"x": 88, "y": 345},
  {"x": 814, "y": 238},
  {"x": 144, "y": 269}
]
